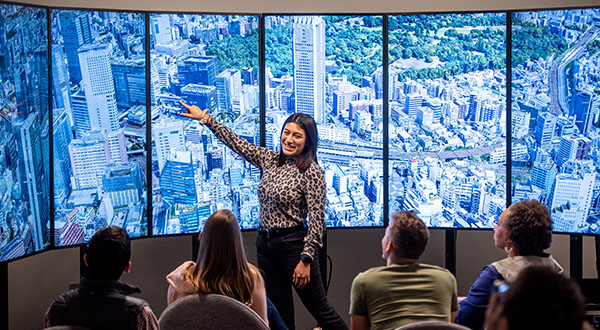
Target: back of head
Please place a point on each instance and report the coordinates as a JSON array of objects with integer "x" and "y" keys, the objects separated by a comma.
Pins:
[
  {"x": 539, "y": 298},
  {"x": 409, "y": 235},
  {"x": 108, "y": 253},
  {"x": 221, "y": 266},
  {"x": 529, "y": 226}
]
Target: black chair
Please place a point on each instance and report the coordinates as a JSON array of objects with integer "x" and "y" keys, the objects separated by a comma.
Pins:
[
  {"x": 209, "y": 311},
  {"x": 432, "y": 325}
]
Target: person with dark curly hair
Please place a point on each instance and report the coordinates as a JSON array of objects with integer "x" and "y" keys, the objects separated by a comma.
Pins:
[
  {"x": 404, "y": 291},
  {"x": 524, "y": 231}
]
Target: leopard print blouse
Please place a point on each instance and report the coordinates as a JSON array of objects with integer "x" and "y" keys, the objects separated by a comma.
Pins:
[{"x": 286, "y": 196}]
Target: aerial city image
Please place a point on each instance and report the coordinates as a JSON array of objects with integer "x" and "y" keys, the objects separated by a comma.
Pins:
[
  {"x": 24, "y": 130},
  {"x": 99, "y": 123},
  {"x": 330, "y": 68},
  {"x": 555, "y": 114},
  {"x": 447, "y": 108},
  {"x": 210, "y": 61}
]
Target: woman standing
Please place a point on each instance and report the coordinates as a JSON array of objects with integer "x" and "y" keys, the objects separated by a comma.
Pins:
[{"x": 292, "y": 187}]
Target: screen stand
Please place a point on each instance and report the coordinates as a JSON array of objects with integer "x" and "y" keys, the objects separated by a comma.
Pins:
[
  {"x": 4, "y": 295},
  {"x": 323, "y": 260},
  {"x": 195, "y": 247},
  {"x": 83, "y": 269},
  {"x": 576, "y": 258},
  {"x": 451, "y": 250},
  {"x": 597, "y": 243}
]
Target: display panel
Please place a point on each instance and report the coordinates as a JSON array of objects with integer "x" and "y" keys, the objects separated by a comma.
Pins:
[
  {"x": 24, "y": 122},
  {"x": 555, "y": 114},
  {"x": 447, "y": 114},
  {"x": 99, "y": 123},
  {"x": 330, "y": 67},
  {"x": 210, "y": 61}
]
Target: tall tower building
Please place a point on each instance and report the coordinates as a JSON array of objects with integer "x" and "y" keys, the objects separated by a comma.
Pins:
[
  {"x": 99, "y": 87},
  {"x": 573, "y": 147},
  {"x": 229, "y": 85},
  {"x": 201, "y": 70},
  {"x": 130, "y": 81},
  {"x": 581, "y": 104},
  {"x": 76, "y": 32},
  {"x": 571, "y": 200},
  {"x": 167, "y": 137},
  {"x": 35, "y": 185},
  {"x": 80, "y": 113},
  {"x": 160, "y": 26},
  {"x": 63, "y": 136},
  {"x": 308, "y": 49},
  {"x": 89, "y": 157},
  {"x": 60, "y": 80},
  {"x": 544, "y": 130}
]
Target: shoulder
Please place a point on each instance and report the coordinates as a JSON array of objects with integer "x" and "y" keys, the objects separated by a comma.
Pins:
[
  {"x": 435, "y": 269},
  {"x": 314, "y": 172},
  {"x": 370, "y": 274},
  {"x": 177, "y": 278}
]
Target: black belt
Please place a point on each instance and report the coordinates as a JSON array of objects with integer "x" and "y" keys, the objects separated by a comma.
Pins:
[{"x": 276, "y": 232}]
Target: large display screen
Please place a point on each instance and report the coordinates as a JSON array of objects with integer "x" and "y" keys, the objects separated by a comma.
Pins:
[
  {"x": 555, "y": 114},
  {"x": 24, "y": 130},
  {"x": 330, "y": 67},
  {"x": 447, "y": 117},
  {"x": 99, "y": 123},
  {"x": 210, "y": 61}
]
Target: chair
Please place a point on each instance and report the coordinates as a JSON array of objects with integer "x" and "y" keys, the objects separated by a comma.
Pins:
[
  {"x": 432, "y": 325},
  {"x": 66, "y": 327},
  {"x": 209, "y": 311}
]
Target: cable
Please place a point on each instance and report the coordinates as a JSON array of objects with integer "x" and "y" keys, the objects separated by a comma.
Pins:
[{"x": 330, "y": 271}]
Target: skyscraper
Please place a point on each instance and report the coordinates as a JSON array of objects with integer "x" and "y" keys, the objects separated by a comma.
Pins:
[
  {"x": 60, "y": 80},
  {"x": 76, "y": 32},
  {"x": 99, "y": 86},
  {"x": 89, "y": 157},
  {"x": 308, "y": 49},
  {"x": 581, "y": 105},
  {"x": 35, "y": 183},
  {"x": 544, "y": 130},
  {"x": 229, "y": 85},
  {"x": 167, "y": 137},
  {"x": 62, "y": 164},
  {"x": 571, "y": 200},
  {"x": 130, "y": 81}
]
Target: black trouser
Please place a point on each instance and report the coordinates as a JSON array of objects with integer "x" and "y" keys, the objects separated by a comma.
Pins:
[{"x": 277, "y": 258}]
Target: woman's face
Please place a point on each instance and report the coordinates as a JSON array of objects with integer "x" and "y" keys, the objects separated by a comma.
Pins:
[
  {"x": 500, "y": 231},
  {"x": 293, "y": 139}
]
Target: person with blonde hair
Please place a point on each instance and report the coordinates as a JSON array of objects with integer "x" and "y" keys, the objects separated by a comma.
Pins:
[{"x": 221, "y": 267}]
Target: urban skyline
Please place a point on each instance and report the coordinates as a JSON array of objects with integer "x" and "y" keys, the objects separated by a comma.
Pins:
[
  {"x": 447, "y": 118},
  {"x": 24, "y": 122},
  {"x": 99, "y": 123},
  {"x": 556, "y": 93}
]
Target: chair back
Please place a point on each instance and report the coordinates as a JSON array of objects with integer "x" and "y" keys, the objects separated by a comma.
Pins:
[
  {"x": 66, "y": 327},
  {"x": 432, "y": 325},
  {"x": 209, "y": 311}
]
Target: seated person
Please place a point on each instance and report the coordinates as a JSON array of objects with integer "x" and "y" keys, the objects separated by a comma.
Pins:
[
  {"x": 404, "y": 291},
  {"x": 524, "y": 231},
  {"x": 102, "y": 301},
  {"x": 221, "y": 267},
  {"x": 539, "y": 298}
]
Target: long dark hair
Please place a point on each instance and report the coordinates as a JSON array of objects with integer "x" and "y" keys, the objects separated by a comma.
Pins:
[
  {"x": 222, "y": 267},
  {"x": 309, "y": 153}
]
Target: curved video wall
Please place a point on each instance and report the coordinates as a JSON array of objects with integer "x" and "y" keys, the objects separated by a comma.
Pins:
[{"x": 414, "y": 112}]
